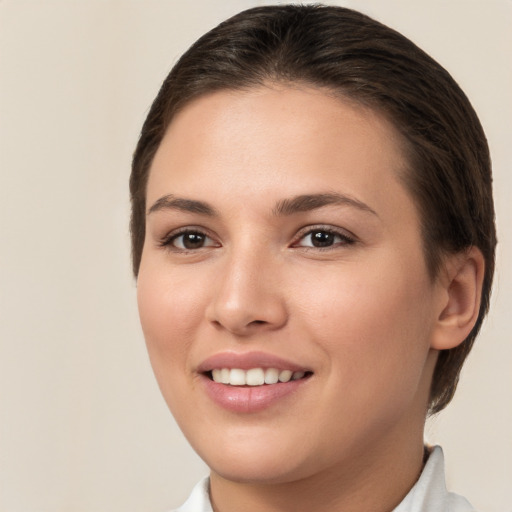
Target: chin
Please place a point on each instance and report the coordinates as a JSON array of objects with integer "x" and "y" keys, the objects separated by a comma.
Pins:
[
  {"x": 255, "y": 461},
  {"x": 266, "y": 470}
]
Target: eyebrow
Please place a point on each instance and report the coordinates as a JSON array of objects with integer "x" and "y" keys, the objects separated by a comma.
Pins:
[
  {"x": 284, "y": 207},
  {"x": 170, "y": 202},
  {"x": 308, "y": 202}
]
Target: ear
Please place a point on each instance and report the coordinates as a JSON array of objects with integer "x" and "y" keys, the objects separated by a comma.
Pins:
[{"x": 461, "y": 283}]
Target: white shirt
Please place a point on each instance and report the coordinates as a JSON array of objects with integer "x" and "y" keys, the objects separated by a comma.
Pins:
[{"x": 429, "y": 494}]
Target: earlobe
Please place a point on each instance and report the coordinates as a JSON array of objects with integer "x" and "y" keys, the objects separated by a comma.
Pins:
[{"x": 462, "y": 287}]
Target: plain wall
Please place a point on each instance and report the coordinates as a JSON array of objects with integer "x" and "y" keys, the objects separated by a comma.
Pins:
[{"x": 82, "y": 423}]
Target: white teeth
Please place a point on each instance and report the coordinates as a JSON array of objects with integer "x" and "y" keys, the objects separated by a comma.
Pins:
[
  {"x": 285, "y": 375},
  {"x": 254, "y": 376},
  {"x": 271, "y": 376},
  {"x": 237, "y": 377},
  {"x": 224, "y": 376}
]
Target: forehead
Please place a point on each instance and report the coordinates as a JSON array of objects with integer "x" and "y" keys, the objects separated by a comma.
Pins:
[{"x": 299, "y": 139}]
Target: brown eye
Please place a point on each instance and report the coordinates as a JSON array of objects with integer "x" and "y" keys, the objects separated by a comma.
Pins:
[
  {"x": 191, "y": 240},
  {"x": 324, "y": 238}
]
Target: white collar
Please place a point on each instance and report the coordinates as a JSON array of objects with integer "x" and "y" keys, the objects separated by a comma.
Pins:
[{"x": 429, "y": 494}]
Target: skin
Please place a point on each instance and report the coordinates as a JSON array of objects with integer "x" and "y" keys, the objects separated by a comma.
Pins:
[{"x": 362, "y": 313}]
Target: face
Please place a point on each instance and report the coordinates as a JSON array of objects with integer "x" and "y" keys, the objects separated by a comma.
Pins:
[{"x": 282, "y": 246}]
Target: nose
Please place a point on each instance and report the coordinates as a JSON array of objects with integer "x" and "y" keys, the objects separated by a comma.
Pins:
[{"x": 248, "y": 296}]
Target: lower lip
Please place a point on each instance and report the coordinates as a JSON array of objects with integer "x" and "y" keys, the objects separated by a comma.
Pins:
[{"x": 248, "y": 399}]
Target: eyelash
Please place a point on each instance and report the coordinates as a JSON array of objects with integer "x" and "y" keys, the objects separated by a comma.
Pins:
[
  {"x": 345, "y": 239},
  {"x": 168, "y": 241}
]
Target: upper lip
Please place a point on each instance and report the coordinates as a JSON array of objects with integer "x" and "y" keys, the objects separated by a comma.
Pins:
[{"x": 248, "y": 360}]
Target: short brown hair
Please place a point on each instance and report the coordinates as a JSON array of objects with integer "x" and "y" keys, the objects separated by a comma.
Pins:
[{"x": 357, "y": 57}]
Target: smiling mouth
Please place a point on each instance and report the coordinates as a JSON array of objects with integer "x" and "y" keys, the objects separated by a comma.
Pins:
[{"x": 254, "y": 376}]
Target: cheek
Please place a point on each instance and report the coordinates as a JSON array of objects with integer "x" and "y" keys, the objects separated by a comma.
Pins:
[
  {"x": 373, "y": 325},
  {"x": 170, "y": 308}
]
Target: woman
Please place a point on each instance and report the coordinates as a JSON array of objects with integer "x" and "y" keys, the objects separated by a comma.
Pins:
[{"x": 313, "y": 238}]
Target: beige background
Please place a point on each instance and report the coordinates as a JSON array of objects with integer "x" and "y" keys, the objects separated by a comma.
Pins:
[{"x": 82, "y": 424}]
